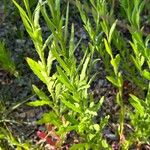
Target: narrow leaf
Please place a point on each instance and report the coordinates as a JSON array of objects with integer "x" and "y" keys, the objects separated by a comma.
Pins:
[
  {"x": 37, "y": 69},
  {"x": 115, "y": 63},
  {"x": 61, "y": 62},
  {"x": 64, "y": 79},
  {"x": 84, "y": 69},
  {"x": 38, "y": 103},
  {"x": 135, "y": 102},
  {"x": 111, "y": 31},
  {"x": 71, "y": 106},
  {"x": 113, "y": 80},
  {"x": 108, "y": 49},
  {"x": 66, "y": 23},
  {"x": 40, "y": 93}
]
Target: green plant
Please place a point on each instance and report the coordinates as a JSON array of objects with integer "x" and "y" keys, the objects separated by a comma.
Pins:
[
  {"x": 72, "y": 107},
  {"x": 140, "y": 119},
  {"x": 6, "y": 61},
  {"x": 133, "y": 10},
  {"x": 99, "y": 25},
  {"x": 7, "y": 140},
  {"x": 119, "y": 67},
  {"x": 101, "y": 21}
]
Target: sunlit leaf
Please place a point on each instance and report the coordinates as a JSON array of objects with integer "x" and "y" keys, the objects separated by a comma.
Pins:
[
  {"x": 113, "y": 80},
  {"x": 135, "y": 102},
  {"x": 108, "y": 48}
]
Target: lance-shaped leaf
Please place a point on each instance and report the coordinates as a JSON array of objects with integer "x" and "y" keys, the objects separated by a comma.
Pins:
[
  {"x": 71, "y": 106},
  {"x": 44, "y": 99},
  {"x": 61, "y": 62},
  {"x": 111, "y": 31},
  {"x": 40, "y": 93},
  {"x": 38, "y": 103},
  {"x": 84, "y": 68},
  {"x": 115, "y": 63},
  {"x": 66, "y": 23},
  {"x": 50, "y": 60},
  {"x": 38, "y": 70},
  {"x": 64, "y": 79},
  {"x": 108, "y": 48},
  {"x": 26, "y": 21},
  {"x": 113, "y": 80},
  {"x": 135, "y": 102}
]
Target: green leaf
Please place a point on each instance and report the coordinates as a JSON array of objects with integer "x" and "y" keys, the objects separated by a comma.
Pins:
[
  {"x": 66, "y": 23},
  {"x": 38, "y": 103},
  {"x": 83, "y": 146},
  {"x": 108, "y": 49},
  {"x": 118, "y": 99},
  {"x": 50, "y": 117},
  {"x": 71, "y": 119},
  {"x": 40, "y": 93},
  {"x": 82, "y": 13},
  {"x": 83, "y": 87},
  {"x": 57, "y": 6},
  {"x": 66, "y": 129},
  {"x": 47, "y": 42},
  {"x": 105, "y": 27},
  {"x": 80, "y": 66},
  {"x": 90, "y": 30},
  {"x": 2, "y": 136},
  {"x": 44, "y": 100},
  {"x": 71, "y": 106},
  {"x": 115, "y": 63},
  {"x": 111, "y": 31},
  {"x": 84, "y": 69},
  {"x": 71, "y": 43},
  {"x": 135, "y": 49},
  {"x": 38, "y": 70},
  {"x": 99, "y": 104},
  {"x": 142, "y": 60},
  {"x": 61, "y": 62},
  {"x": 120, "y": 80},
  {"x": 93, "y": 78},
  {"x": 37, "y": 16},
  {"x": 135, "y": 17},
  {"x": 146, "y": 74},
  {"x": 26, "y": 21},
  {"x": 50, "y": 24},
  {"x": 26, "y": 3},
  {"x": 96, "y": 127},
  {"x": 58, "y": 88},
  {"x": 135, "y": 102},
  {"x": 113, "y": 80},
  {"x": 5, "y": 59},
  {"x": 136, "y": 62},
  {"x": 50, "y": 60},
  {"x": 64, "y": 79}
]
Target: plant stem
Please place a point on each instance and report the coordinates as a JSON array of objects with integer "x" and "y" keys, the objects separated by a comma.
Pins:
[{"x": 122, "y": 113}]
